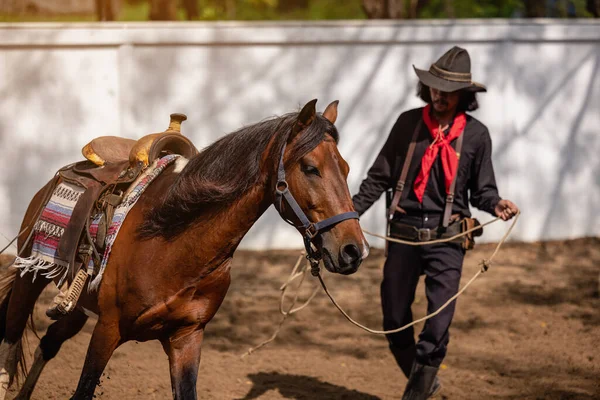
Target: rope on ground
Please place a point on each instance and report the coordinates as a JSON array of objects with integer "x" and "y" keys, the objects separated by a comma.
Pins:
[
  {"x": 484, "y": 263},
  {"x": 291, "y": 310}
]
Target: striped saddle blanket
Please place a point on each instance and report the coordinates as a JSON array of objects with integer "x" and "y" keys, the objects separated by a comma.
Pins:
[{"x": 55, "y": 216}]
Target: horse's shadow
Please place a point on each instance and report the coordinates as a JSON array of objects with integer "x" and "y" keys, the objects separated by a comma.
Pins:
[{"x": 301, "y": 387}]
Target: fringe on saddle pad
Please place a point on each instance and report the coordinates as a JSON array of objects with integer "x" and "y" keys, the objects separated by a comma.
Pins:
[{"x": 47, "y": 232}]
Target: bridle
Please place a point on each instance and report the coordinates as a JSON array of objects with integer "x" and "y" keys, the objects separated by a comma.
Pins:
[{"x": 311, "y": 230}]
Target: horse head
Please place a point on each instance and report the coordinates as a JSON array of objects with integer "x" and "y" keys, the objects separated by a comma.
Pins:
[{"x": 315, "y": 179}]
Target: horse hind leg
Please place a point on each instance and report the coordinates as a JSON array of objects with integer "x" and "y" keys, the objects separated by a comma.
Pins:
[
  {"x": 9, "y": 358},
  {"x": 58, "y": 333},
  {"x": 7, "y": 280},
  {"x": 23, "y": 294},
  {"x": 18, "y": 296}
]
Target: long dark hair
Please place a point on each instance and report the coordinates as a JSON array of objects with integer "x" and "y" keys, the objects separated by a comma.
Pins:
[
  {"x": 227, "y": 169},
  {"x": 467, "y": 102}
]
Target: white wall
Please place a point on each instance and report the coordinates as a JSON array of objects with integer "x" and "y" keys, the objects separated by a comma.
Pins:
[{"x": 61, "y": 85}]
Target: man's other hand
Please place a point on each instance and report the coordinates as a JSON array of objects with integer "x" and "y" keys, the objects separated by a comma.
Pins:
[{"x": 506, "y": 209}]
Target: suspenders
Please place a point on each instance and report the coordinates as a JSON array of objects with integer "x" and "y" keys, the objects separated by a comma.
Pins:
[
  {"x": 400, "y": 185},
  {"x": 402, "y": 181},
  {"x": 450, "y": 196}
]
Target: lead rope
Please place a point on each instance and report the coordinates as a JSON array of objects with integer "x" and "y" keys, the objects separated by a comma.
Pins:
[
  {"x": 13, "y": 240},
  {"x": 48, "y": 191},
  {"x": 291, "y": 310},
  {"x": 484, "y": 263}
]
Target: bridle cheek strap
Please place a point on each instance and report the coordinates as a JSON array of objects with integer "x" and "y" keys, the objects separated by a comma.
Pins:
[{"x": 311, "y": 230}]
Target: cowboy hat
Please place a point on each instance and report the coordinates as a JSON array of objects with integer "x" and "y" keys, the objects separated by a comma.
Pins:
[{"x": 451, "y": 72}]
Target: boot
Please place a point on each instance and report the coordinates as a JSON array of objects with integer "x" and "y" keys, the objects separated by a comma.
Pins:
[
  {"x": 435, "y": 388},
  {"x": 405, "y": 359},
  {"x": 422, "y": 383}
]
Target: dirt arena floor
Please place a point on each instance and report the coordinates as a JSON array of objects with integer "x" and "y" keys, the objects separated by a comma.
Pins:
[{"x": 527, "y": 329}]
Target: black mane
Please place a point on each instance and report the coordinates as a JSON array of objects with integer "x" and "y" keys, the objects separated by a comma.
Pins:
[{"x": 227, "y": 169}]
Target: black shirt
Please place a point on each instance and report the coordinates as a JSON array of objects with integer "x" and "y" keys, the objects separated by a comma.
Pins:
[{"x": 475, "y": 170}]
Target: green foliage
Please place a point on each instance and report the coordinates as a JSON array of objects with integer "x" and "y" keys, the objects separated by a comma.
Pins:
[
  {"x": 210, "y": 10},
  {"x": 487, "y": 8},
  {"x": 267, "y": 10},
  {"x": 335, "y": 9},
  {"x": 137, "y": 11},
  {"x": 472, "y": 9},
  {"x": 499, "y": 8},
  {"x": 44, "y": 18}
]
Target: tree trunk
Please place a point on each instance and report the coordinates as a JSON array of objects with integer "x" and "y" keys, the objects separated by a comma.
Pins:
[
  {"x": 191, "y": 9},
  {"x": 163, "y": 10},
  {"x": 535, "y": 8},
  {"x": 107, "y": 10},
  {"x": 387, "y": 9},
  {"x": 413, "y": 10},
  {"x": 230, "y": 9},
  {"x": 291, "y": 5},
  {"x": 375, "y": 9},
  {"x": 449, "y": 8},
  {"x": 395, "y": 9},
  {"x": 593, "y": 7}
]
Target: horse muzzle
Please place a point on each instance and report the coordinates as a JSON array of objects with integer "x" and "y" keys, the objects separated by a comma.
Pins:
[{"x": 347, "y": 261}]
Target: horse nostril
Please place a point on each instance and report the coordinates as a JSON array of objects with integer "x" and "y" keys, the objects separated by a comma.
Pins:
[{"x": 350, "y": 253}]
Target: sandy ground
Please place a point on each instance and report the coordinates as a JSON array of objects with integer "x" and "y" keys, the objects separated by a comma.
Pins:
[{"x": 527, "y": 329}]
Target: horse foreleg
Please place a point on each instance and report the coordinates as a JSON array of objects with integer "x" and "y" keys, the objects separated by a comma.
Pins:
[
  {"x": 58, "y": 333},
  {"x": 184, "y": 360},
  {"x": 105, "y": 339}
]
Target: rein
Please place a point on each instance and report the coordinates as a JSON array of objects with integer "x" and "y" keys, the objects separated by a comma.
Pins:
[
  {"x": 315, "y": 271},
  {"x": 311, "y": 230}
]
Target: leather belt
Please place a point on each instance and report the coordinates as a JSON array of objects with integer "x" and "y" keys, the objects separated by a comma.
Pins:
[{"x": 409, "y": 232}]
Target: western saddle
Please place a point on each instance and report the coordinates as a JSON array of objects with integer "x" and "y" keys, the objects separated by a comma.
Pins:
[
  {"x": 113, "y": 164},
  {"x": 111, "y": 150}
]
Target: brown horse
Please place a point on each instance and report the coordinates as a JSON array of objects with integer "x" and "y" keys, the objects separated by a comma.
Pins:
[{"x": 169, "y": 268}]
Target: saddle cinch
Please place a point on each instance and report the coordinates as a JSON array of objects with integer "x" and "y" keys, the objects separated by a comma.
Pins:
[{"x": 113, "y": 164}]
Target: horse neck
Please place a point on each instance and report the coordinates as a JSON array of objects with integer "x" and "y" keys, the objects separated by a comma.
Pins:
[{"x": 216, "y": 236}]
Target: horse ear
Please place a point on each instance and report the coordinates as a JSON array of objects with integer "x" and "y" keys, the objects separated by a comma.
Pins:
[
  {"x": 306, "y": 116},
  {"x": 331, "y": 111}
]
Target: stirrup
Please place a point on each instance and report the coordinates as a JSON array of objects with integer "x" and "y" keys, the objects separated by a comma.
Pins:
[{"x": 68, "y": 304}]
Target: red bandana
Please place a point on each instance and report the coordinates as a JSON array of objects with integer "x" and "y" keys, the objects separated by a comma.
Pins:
[{"x": 440, "y": 142}]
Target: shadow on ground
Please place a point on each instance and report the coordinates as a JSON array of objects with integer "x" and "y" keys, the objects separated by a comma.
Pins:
[{"x": 300, "y": 388}]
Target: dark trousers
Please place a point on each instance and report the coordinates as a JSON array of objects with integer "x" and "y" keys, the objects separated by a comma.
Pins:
[{"x": 442, "y": 266}]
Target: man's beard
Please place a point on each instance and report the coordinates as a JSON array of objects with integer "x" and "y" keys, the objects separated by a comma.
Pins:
[
  {"x": 441, "y": 103},
  {"x": 440, "y": 106}
]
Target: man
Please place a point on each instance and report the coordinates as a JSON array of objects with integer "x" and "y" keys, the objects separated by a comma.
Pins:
[{"x": 436, "y": 159}]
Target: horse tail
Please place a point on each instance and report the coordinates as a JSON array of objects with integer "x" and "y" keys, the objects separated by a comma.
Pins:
[
  {"x": 7, "y": 279},
  {"x": 6, "y": 284},
  {"x": 9, "y": 275}
]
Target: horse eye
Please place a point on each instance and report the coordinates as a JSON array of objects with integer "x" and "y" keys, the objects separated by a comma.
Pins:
[{"x": 310, "y": 170}]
